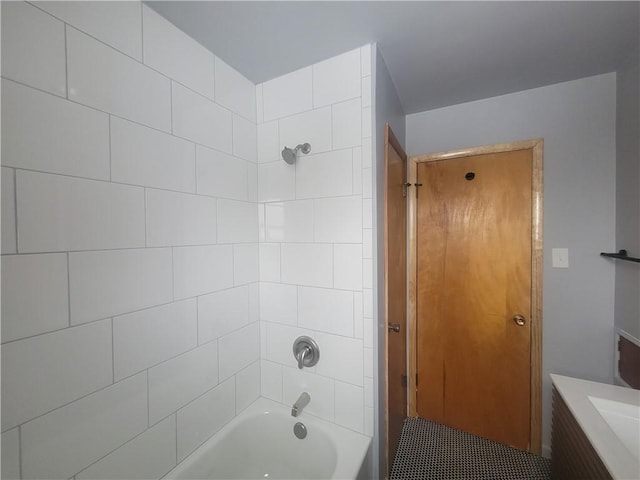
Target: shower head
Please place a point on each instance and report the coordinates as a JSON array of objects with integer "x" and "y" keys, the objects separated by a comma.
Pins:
[{"x": 289, "y": 154}]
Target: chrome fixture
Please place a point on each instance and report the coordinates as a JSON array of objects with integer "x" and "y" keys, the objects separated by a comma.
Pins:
[
  {"x": 289, "y": 155},
  {"x": 300, "y": 430},
  {"x": 303, "y": 401},
  {"x": 306, "y": 351}
]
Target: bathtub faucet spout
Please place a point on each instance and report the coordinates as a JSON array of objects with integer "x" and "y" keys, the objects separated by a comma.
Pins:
[{"x": 303, "y": 401}]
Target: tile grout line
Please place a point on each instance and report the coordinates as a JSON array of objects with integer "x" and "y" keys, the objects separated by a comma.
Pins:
[
  {"x": 120, "y": 314},
  {"x": 120, "y": 116},
  {"x": 150, "y": 187},
  {"x": 59, "y": 407},
  {"x": 152, "y": 128},
  {"x": 140, "y": 62},
  {"x": 120, "y": 249},
  {"x": 114, "y": 449}
]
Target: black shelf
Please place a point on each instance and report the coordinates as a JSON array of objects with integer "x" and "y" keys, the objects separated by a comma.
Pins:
[{"x": 622, "y": 255}]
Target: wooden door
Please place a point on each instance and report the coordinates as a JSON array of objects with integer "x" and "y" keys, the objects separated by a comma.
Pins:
[
  {"x": 395, "y": 218},
  {"x": 474, "y": 281}
]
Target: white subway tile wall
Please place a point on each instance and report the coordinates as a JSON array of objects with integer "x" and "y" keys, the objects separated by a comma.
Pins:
[
  {"x": 179, "y": 218},
  {"x": 69, "y": 439},
  {"x": 204, "y": 416},
  {"x": 172, "y": 52},
  {"x": 101, "y": 77},
  {"x": 289, "y": 221},
  {"x": 324, "y": 175},
  {"x": 35, "y": 295},
  {"x": 33, "y": 48},
  {"x": 314, "y": 126},
  {"x": 59, "y": 213},
  {"x": 268, "y": 142},
  {"x": 247, "y": 386},
  {"x": 55, "y": 369},
  {"x": 196, "y": 118},
  {"x": 245, "y": 140},
  {"x": 72, "y": 139},
  {"x": 11, "y": 454},
  {"x": 220, "y": 313},
  {"x": 287, "y": 95},
  {"x": 276, "y": 181},
  {"x": 221, "y": 175},
  {"x": 176, "y": 382},
  {"x": 159, "y": 257},
  {"x": 168, "y": 330},
  {"x": 116, "y": 25},
  {"x": 246, "y": 263},
  {"x": 150, "y": 455},
  {"x": 130, "y": 268},
  {"x": 150, "y": 158},
  {"x": 315, "y": 229},
  {"x": 234, "y": 91}
]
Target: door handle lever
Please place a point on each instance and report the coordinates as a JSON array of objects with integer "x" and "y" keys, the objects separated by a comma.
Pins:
[{"x": 394, "y": 327}]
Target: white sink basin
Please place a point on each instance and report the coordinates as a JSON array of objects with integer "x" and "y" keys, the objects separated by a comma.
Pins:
[{"x": 623, "y": 419}]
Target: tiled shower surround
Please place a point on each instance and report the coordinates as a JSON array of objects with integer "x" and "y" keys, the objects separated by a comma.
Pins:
[
  {"x": 315, "y": 237},
  {"x": 159, "y": 258}
]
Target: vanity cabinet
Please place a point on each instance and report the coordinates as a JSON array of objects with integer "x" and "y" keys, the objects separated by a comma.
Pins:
[{"x": 572, "y": 455}]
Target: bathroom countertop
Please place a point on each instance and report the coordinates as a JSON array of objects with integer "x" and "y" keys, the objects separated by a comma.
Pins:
[{"x": 620, "y": 462}]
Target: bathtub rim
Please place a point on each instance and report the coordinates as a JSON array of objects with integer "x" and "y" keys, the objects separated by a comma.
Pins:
[
  {"x": 351, "y": 452},
  {"x": 620, "y": 463}
]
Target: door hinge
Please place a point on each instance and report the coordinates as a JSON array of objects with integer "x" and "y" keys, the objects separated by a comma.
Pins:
[
  {"x": 404, "y": 380},
  {"x": 416, "y": 379},
  {"x": 405, "y": 187}
]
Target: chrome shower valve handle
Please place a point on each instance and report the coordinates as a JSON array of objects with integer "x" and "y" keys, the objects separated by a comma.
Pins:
[{"x": 306, "y": 352}]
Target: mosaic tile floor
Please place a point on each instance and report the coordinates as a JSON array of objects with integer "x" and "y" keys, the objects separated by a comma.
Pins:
[{"x": 430, "y": 451}]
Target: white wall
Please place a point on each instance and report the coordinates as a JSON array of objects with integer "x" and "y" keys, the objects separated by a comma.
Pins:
[
  {"x": 387, "y": 109},
  {"x": 627, "y": 306},
  {"x": 577, "y": 121},
  {"x": 129, "y": 242},
  {"x": 316, "y": 237}
]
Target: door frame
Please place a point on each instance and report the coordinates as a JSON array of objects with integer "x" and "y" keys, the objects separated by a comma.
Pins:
[
  {"x": 537, "y": 147},
  {"x": 390, "y": 141}
]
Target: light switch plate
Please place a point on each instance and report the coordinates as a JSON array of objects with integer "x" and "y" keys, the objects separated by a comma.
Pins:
[{"x": 560, "y": 257}]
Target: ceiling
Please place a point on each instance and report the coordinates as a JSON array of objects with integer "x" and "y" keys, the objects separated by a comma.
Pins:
[{"x": 438, "y": 53}]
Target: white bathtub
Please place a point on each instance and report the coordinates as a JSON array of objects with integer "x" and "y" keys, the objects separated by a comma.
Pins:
[
  {"x": 610, "y": 418},
  {"x": 260, "y": 443}
]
